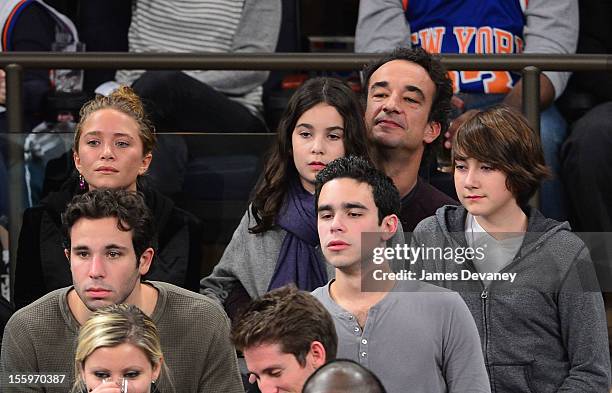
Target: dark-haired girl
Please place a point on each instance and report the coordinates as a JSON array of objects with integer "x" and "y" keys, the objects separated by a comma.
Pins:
[{"x": 276, "y": 242}]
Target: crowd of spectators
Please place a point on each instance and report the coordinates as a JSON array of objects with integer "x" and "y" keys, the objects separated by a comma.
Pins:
[{"x": 110, "y": 293}]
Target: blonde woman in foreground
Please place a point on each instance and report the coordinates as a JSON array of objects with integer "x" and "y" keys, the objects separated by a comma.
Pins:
[{"x": 118, "y": 350}]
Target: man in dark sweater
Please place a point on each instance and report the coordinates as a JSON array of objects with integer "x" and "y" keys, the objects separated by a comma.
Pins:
[
  {"x": 407, "y": 102},
  {"x": 109, "y": 245}
]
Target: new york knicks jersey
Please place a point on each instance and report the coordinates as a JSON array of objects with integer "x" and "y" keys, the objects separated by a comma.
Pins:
[{"x": 469, "y": 26}]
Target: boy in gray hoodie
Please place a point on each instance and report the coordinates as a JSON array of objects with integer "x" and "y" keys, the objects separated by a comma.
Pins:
[{"x": 528, "y": 281}]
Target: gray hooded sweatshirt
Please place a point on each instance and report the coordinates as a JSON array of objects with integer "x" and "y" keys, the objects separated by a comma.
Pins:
[{"x": 546, "y": 330}]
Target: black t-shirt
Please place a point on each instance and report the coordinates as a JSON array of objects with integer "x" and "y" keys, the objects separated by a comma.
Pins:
[{"x": 422, "y": 202}]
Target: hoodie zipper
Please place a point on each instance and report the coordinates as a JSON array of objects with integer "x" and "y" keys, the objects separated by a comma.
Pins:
[{"x": 484, "y": 295}]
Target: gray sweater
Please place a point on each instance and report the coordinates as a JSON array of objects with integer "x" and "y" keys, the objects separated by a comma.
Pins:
[{"x": 544, "y": 332}]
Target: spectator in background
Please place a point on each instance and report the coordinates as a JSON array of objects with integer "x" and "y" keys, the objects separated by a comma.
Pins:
[
  {"x": 118, "y": 350},
  {"x": 285, "y": 336},
  {"x": 276, "y": 242},
  {"x": 407, "y": 103},
  {"x": 441, "y": 26},
  {"x": 109, "y": 244},
  {"x": 113, "y": 147},
  {"x": 587, "y": 164},
  {"x": 28, "y": 26},
  {"x": 586, "y": 159},
  {"x": 200, "y": 101},
  {"x": 32, "y": 26}
]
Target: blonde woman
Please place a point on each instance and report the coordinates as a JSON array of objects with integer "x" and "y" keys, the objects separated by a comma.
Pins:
[{"x": 118, "y": 350}]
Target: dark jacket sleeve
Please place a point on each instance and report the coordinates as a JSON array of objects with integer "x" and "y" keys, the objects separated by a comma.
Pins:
[
  {"x": 34, "y": 32},
  {"x": 29, "y": 282},
  {"x": 192, "y": 281},
  {"x": 179, "y": 253}
]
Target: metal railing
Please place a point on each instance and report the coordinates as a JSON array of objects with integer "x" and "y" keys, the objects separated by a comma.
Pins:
[
  {"x": 529, "y": 64},
  {"x": 15, "y": 62}
]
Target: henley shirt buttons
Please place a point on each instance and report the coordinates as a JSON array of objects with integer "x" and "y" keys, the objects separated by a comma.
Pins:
[
  {"x": 364, "y": 341},
  {"x": 350, "y": 317},
  {"x": 356, "y": 329},
  {"x": 364, "y": 354}
]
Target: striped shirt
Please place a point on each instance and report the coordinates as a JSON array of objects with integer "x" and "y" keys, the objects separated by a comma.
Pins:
[{"x": 213, "y": 26}]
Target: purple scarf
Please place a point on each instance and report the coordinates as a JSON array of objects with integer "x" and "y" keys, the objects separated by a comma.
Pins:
[{"x": 298, "y": 261}]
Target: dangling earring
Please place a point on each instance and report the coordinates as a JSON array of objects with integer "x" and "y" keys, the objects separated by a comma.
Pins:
[{"x": 81, "y": 182}]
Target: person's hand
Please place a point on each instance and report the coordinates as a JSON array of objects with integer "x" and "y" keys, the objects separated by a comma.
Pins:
[
  {"x": 106, "y": 387},
  {"x": 455, "y": 124},
  {"x": 459, "y": 106},
  {"x": 2, "y": 87}
]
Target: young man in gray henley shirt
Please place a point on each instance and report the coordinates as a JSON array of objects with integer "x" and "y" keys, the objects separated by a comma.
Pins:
[{"x": 414, "y": 336}]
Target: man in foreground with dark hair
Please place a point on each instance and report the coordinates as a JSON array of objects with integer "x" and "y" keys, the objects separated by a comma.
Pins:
[
  {"x": 109, "y": 245},
  {"x": 343, "y": 376},
  {"x": 407, "y": 104},
  {"x": 413, "y": 335},
  {"x": 285, "y": 336}
]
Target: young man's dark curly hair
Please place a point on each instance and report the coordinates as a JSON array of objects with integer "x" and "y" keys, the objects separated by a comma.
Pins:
[{"x": 127, "y": 207}]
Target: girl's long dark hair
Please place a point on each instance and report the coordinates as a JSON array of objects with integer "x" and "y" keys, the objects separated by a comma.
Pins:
[{"x": 279, "y": 168}]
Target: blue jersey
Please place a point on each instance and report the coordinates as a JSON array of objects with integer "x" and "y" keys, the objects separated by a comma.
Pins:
[{"x": 469, "y": 26}]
